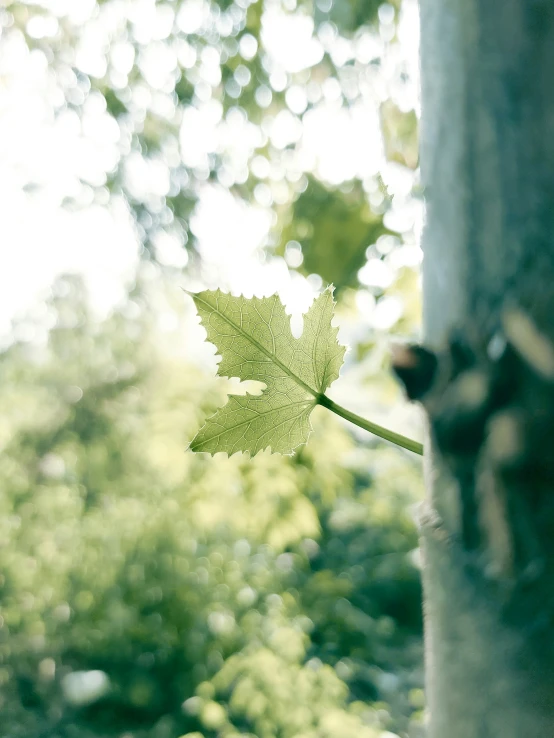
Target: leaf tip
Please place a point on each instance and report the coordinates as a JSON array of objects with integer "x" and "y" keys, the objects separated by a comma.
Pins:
[
  {"x": 193, "y": 446},
  {"x": 190, "y": 293},
  {"x": 331, "y": 290}
]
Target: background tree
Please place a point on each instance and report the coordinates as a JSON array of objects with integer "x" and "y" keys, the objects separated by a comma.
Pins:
[{"x": 488, "y": 170}]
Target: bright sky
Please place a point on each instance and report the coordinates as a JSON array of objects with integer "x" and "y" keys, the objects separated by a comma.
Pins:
[{"x": 41, "y": 239}]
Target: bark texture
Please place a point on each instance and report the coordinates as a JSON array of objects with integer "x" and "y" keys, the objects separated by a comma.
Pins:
[{"x": 487, "y": 159}]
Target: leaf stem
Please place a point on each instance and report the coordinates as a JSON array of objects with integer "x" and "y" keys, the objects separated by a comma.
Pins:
[{"x": 377, "y": 430}]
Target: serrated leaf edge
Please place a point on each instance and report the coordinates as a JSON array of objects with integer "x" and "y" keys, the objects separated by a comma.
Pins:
[
  {"x": 252, "y": 340},
  {"x": 249, "y": 454}
]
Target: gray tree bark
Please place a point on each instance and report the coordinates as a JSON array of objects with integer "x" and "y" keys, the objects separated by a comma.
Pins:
[{"x": 487, "y": 160}]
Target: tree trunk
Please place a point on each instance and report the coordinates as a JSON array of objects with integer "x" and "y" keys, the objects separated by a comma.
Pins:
[{"x": 487, "y": 159}]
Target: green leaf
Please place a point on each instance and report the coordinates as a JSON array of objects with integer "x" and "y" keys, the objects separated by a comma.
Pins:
[{"x": 254, "y": 339}]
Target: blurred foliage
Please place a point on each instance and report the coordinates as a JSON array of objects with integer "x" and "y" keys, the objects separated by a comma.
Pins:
[
  {"x": 400, "y": 134},
  {"x": 332, "y": 229},
  {"x": 351, "y": 14},
  {"x": 147, "y": 592},
  {"x": 185, "y": 93}
]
